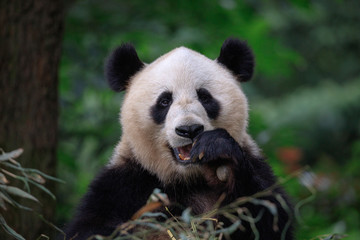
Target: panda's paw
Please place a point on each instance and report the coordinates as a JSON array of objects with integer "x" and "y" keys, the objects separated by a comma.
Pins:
[{"x": 216, "y": 147}]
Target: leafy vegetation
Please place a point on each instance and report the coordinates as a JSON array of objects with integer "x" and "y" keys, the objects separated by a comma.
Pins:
[
  {"x": 304, "y": 98},
  {"x": 10, "y": 193},
  {"x": 204, "y": 226}
]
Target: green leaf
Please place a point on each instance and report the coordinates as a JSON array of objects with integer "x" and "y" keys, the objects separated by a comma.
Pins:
[
  {"x": 186, "y": 215},
  {"x": 6, "y": 198},
  {"x": 43, "y": 188},
  {"x": 9, "y": 230},
  {"x": 18, "y": 192},
  {"x": 232, "y": 228},
  {"x": 31, "y": 170},
  {"x": 3, "y": 179},
  {"x": 12, "y": 154},
  {"x": 2, "y": 203}
]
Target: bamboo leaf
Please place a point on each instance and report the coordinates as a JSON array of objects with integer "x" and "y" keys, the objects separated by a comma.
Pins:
[
  {"x": 18, "y": 192},
  {"x": 14, "y": 203},
  {"x": 43, "y": 188},
  {"x": 13, "y": 154},
  {"x": 23, "y": 179},
  {"x": 9, "y": 230},
  {"x": 3, "y": 179},
  {"x": 232, "y": 228},
  {"x": 153, "y": 215},
  {"x": 6, "y": 198},
  {"x": 35, "y": 171},
  {"x": 37, "y": 178},
  {"x": 31, "y": 170},
  {"x": 2, "y": 203}
]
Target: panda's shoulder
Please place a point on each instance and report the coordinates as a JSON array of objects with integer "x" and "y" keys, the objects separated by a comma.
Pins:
[{"x": 114, "y": 181}]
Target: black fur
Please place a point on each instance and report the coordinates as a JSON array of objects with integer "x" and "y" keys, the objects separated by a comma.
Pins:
[
  {"x": 121, "y": 65},
  {"x": 117, "y": 193},
  {"x": 113, "y": 197},
  {"x": 160, "y": 109},
  {"x": 238, "y": 58},
  {"x": 210, "y": 104}
]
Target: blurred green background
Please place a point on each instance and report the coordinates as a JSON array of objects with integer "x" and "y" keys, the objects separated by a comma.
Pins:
[{"x": 304, "y": 98}]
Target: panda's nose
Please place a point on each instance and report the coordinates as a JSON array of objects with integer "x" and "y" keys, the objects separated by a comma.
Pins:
[{"x": 189, "y": 131}]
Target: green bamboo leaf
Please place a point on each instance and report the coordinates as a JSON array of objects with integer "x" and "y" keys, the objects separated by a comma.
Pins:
[
  {"x": 43, "y": 188},
  {"x": 9, "y": 230},
  {"x": 186, "y": 215},
  {"x": 13, "y": 154},
  {"x": 18, "y": 192},
  {"x": 2, "y": 203},
  {"x": 14, "y": 203},
  {"x": 31, "y": 170},
  {"x": 23, "y": 179},
  {"x": 3, "y": 179},
  {"x": 35, "y": 171},
  {"x": 50, "y": 224},
  {"x": 153, "y": 215},
  {"x": 232, "y": 228},
  {"x": 6, "y": 198},
  {"x": 37, "y": 178}
]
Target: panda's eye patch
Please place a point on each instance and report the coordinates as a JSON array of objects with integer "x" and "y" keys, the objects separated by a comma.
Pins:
[
  {"x": 204, "y": 95},
  {"x": 161, "y": 107},
  {"x": 211, "y": 105}
]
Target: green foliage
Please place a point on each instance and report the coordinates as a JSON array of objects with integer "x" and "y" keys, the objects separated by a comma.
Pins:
[
  {"x": 323, "y": 32},
  {"x": 304, "y": 96},
  {"x": 9, "y": 195},
  {"x": 328, "y": 115}
]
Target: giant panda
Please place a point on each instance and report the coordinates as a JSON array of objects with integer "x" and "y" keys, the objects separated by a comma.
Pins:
[{"x": 184, "y": 122}]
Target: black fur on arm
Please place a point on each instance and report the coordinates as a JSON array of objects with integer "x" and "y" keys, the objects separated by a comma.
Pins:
[
  {"x": 113, "y": 197},
  {"x": 249, "y": 175}
]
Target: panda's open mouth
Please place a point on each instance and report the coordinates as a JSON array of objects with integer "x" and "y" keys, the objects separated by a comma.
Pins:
[{"x": 182, "y": 154}]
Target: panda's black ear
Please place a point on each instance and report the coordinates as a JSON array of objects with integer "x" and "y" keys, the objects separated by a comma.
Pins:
[
  {"x": 121, "y": 65},
  {"x": 238, "y": 58}
]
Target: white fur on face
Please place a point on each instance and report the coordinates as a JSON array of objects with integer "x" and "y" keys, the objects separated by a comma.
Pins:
[{"x": 181, "y": 72}]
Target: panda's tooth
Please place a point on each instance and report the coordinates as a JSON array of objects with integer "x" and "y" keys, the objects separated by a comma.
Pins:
[{"x": 201, "y": 155}]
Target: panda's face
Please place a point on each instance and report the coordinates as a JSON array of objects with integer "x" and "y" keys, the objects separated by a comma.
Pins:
[{"x": 172, "y": 100}]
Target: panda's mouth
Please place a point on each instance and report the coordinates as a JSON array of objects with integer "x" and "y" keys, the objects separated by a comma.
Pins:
[{"x": 182, "y": 154}]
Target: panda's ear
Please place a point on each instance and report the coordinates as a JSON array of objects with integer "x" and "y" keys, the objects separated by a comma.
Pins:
[
  {"x": 121, "y": 65},
  {"x": 236, "y": 56}
]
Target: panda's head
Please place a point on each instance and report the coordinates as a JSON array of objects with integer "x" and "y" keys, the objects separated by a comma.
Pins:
[{"x": 173, "y": 99}]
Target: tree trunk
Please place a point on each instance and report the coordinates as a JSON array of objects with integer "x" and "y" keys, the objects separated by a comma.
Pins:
[{"x": 30, "y": 46}]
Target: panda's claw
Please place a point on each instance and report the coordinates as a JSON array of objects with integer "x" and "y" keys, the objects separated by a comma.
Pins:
[{"x": 201, "y": 155}]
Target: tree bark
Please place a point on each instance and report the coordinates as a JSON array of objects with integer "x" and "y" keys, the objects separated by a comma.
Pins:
[{"x": 30, "y": 47}]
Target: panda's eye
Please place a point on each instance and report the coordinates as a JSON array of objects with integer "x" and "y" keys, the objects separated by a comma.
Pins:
[
  {"x": 204, "y": 96},
  {"x": 161, "y": 107},
  {"x": 164, "y": 100}
]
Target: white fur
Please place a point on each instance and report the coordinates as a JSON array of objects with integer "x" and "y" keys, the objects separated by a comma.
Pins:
[{"x": 181, "y": 71}]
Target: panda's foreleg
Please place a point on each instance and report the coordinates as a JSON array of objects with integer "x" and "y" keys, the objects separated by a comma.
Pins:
[
  {"x": 112, "y": 199},
  {"x": 245, "y": 176}
]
